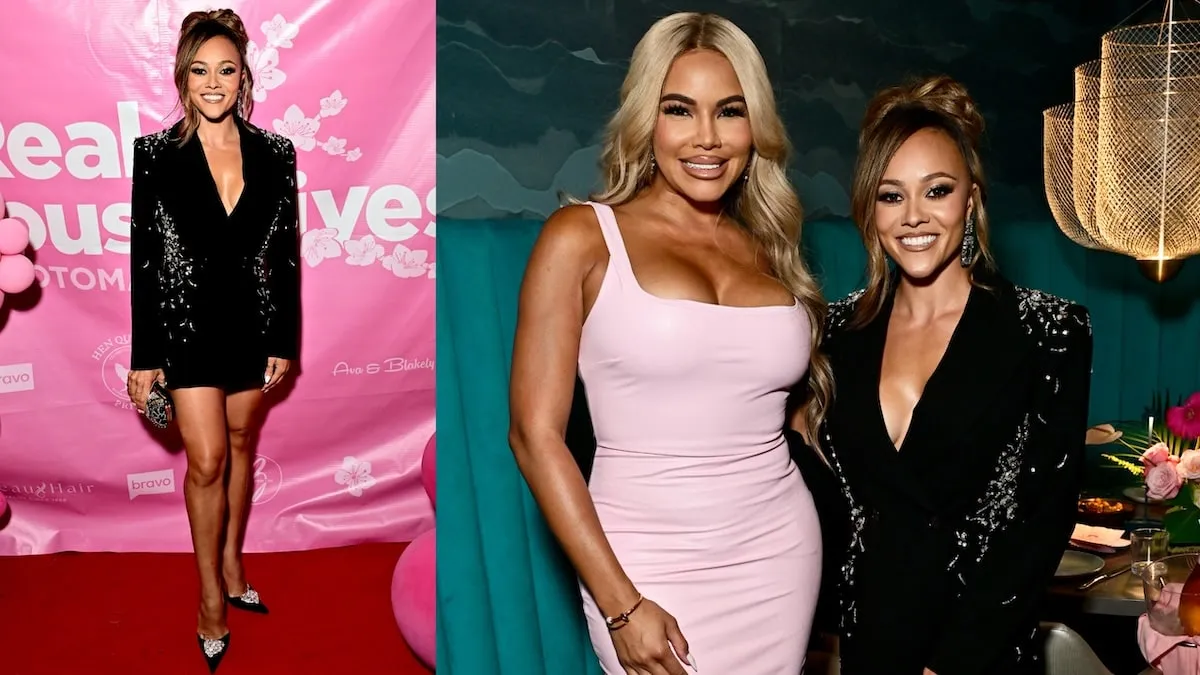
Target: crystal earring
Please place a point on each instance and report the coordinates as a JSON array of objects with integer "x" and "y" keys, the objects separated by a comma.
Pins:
[{"x": 969, "y": 242}]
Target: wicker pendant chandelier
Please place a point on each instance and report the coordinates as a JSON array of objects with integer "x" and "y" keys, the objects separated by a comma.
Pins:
[{"x": 1122, "y": 162}]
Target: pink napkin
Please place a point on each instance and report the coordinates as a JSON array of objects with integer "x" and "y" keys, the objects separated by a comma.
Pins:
[
  {"x": 1164, "y": 651},
  {"x": 1092, "y": 535}
]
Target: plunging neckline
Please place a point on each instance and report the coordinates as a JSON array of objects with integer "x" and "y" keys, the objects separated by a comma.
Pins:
[
  {"x": 885, "y": 319},
  {"x": 212, "y": 179}
]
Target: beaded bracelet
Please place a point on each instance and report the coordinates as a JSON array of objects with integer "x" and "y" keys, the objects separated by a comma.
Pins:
[{"x": 621, "y": 620}]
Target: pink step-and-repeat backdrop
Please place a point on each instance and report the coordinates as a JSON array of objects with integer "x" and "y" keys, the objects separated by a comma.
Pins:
[{"x": 351, "y": 82}]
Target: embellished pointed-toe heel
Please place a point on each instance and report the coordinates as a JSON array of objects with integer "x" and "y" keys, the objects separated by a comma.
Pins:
[
  {"x": 248, "y": 601},
  {"x": 214, "y": 650}
]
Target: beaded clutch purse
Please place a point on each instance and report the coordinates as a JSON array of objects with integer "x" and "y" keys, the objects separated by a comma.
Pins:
[{"x": 160, "y": 408}]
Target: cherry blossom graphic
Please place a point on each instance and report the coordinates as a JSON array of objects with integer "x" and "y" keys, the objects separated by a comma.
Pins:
[
  {"x": 363, "y": 252},
  {"x": 264, "y": 61},
  {"x": 279, "y": 32},
  {"x": 264, "y": 64},
  {"x": 298, "y": 128},
  {"x": 334, "y": 146},
  {"x": 333, "y": 104},
  {"x": 302, "y": 129},
  {"x": 319, "y": 245},
  {"x": 407, "y": 263},
  {"x": 355, "y": 475}
]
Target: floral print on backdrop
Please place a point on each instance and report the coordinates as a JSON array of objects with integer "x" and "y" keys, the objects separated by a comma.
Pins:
[{"x": 303, "y": 130}]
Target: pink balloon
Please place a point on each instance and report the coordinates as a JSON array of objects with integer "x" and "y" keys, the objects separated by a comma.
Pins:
[
  {"x": 14, "y": 236},
  {"x": 414, "y": 596},
  {"x": 16, "y": 273},
  {"x": 429, "y": 469}
]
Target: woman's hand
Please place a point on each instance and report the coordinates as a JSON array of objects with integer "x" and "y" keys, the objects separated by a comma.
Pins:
[
  {"x": 276, "y": 369},
  {"x": 650, "y": 642},
  {"x": 138, "y": 384}
]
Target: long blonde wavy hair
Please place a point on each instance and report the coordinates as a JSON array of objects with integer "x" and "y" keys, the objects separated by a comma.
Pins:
[
  {"x": 765, "y": 204},
  {"x": 892, "y": 116}
]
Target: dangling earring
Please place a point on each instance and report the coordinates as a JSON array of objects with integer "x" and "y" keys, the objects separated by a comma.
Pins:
[
  {"x": 652, "y": 165},
  {"x": 969, "y": 242}
]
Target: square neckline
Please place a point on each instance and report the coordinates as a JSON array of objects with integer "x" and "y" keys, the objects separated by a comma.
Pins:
[{"x": 626, "y": 264}]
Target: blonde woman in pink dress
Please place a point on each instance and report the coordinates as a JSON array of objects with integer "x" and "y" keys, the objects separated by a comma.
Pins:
[{"x": 678, "y": 295}]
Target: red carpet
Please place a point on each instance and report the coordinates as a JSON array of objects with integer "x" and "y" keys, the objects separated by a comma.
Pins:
[{"x": 135, "y": 614}]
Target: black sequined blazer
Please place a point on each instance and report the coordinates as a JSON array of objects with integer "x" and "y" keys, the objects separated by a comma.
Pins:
[
  {"x": 941, "y": 552},
  {"x": 214, "y": 294}
]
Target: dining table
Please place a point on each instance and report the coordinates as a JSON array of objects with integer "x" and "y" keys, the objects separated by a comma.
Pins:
[
  {"x": 1119, "y": 592},
  {"x": 1106, "y": 612},
  {"x": 1116, "y": 595}
]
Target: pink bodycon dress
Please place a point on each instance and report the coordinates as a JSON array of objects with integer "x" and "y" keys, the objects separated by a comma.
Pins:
[{"x": 692, "y": 479}]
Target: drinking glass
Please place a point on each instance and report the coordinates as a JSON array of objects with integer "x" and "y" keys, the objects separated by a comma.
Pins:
[{"x": 1147, "y": 545}]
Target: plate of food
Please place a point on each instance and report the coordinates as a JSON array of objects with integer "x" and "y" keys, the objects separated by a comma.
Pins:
[{"x": 1099, "y": 506}]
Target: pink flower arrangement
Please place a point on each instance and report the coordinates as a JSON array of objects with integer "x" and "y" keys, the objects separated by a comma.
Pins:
[
  {"x": 1184, "y": 420},
  {"x": 1165, "y": 452},
  {"x": 1155, "y": 455},
  {"x": 1189, "y": 465},
  {"x": 1163, "y": 476}
]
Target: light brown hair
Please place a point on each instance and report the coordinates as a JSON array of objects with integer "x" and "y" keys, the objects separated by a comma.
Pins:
[
  {"x": 765, "y": 205},
  {"x": 892, "y": 117},
  {"x": 198, "y": 28}
]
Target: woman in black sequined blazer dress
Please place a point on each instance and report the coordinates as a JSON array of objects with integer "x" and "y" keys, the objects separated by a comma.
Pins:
[
  {"x": 216, "y": 294},
  {"x": 957, "y": 431}
]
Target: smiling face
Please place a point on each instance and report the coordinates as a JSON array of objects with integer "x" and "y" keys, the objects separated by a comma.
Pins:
[
  {"x": 214, "y": 78},
  {"x": 922, "y": 204},
  {"x": 702, "y": 139}
]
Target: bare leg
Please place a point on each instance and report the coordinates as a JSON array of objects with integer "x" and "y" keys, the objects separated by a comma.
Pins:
[
  {"x": 201, "y": 415},
  {"x": 241, "y": 418}
]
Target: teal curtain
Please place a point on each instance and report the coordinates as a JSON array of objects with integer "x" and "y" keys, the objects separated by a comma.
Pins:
[
  {"x": 508, "y": 603},
  {"x": 507, "y": 600}
]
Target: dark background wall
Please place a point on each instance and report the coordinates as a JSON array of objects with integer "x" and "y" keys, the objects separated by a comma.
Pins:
[{"x": 524, "y": 86}]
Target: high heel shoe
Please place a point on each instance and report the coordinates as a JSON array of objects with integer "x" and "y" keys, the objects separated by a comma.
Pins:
[
  {"x": 248, "y": 601},
  {"x": 214, "y": 650}
]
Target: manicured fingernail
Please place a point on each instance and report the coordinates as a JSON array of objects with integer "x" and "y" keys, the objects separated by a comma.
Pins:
[
  {"x": 692, "y": 661},
  {"x": 266, "y": 378}
]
